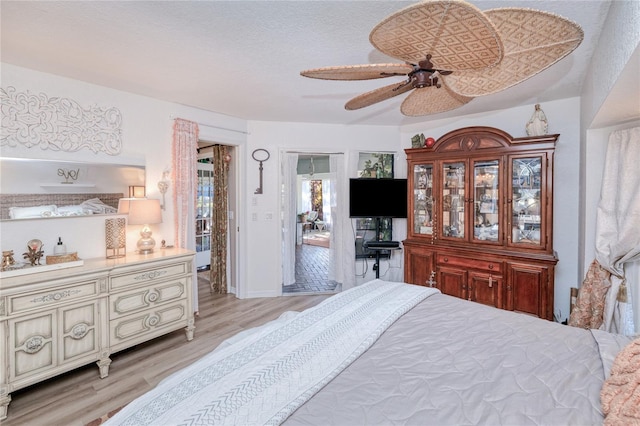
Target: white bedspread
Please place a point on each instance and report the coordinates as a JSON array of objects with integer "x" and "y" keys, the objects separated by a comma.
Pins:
[{"x": 264, "y": 377}]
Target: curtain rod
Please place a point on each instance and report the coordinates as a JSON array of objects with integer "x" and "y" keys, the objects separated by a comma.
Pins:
[{"x": 213, "y": 126}]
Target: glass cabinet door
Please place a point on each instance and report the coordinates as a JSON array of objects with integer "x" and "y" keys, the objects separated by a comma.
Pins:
[
  {"x": 486, "y": 200},
  {"x": 423, "y": 199},
  {"x": 526, "y": 181},
  {"x": 453, "y": 200}
]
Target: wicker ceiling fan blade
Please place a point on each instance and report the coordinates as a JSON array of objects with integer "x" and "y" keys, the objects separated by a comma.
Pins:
[
  {"x": 533, "y": 41},
  {"x": 431, "y": 100},
  {"x": 457, "y": 34},
  {"x": 377, "y": 95},
  {"x": 358, "y": 72}
]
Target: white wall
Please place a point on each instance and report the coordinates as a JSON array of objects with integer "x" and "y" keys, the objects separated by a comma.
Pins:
[
  {"x": 619, "y": 39},
  {"x": 264, "y": 251},
  {"x": 146, "y": 139},
  {"x": 564, "y": 118}
]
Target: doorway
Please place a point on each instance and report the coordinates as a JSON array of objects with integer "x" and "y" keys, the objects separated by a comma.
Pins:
[
  {"x": 310, "y": 203},
  {"x": 204, "y": 210}
]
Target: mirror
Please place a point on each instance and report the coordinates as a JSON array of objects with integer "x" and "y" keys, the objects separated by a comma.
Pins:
[{"x": 32, "y": 189}]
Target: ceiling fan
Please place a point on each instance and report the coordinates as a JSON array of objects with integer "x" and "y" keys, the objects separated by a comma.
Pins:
[{"x": 454, "y": 52}]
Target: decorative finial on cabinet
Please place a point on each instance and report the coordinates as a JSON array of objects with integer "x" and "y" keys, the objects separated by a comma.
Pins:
[{"x": 537, "y": 124}]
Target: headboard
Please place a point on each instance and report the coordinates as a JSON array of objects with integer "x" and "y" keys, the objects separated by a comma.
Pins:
[{"x": 60, "y": 200}]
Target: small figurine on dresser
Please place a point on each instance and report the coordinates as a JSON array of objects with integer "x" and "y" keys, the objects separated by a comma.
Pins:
[
  {"x": 35, "y": 252},
  {"x": 7, "y": 259},
  {"x": 537, "y": 125}
]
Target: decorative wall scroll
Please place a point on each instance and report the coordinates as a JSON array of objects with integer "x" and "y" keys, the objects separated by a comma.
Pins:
[{"x": 57, "y": 124}]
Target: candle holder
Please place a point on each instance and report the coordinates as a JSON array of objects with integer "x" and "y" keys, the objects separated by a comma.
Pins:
[{"x": 116, "y": 239}]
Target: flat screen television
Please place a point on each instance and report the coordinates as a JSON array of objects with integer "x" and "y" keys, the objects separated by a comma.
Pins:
[{"x": 378, "y": 198}]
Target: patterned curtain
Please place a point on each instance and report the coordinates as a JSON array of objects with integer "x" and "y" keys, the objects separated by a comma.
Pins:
[
  {"x": 609, "y": 297},
  {"x": 589, "y": 309},
  {"x": 185, "y": 185},
  {"x": 219, "y": 220}
]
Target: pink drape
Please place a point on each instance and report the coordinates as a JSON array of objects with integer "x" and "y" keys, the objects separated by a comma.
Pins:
[{"x": 185, "y": 179}]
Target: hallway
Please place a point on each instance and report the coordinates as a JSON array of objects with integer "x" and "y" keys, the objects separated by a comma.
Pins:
[{"x": 312, "y": 271}]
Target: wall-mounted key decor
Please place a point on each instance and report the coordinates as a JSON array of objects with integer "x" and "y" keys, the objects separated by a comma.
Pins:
[{"x": 262, "y": 155}]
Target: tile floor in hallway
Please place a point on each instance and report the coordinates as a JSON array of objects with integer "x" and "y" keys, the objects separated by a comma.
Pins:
[{"x": 312, "y": 270}]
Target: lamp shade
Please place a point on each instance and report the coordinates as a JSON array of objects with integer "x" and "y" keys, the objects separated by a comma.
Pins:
[
  {"x": 142, "y": 211},
  {"x": 123, "y": 205}
]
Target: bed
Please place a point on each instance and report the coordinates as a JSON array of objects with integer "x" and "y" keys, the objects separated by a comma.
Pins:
[{"x": 392, "y": 353}]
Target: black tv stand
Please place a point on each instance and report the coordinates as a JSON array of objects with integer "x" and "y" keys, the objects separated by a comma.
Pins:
[{"x": 377, "y": 246}]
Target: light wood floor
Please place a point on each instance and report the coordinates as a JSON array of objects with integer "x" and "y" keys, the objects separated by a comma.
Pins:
[{"x": 80, "y": 396}]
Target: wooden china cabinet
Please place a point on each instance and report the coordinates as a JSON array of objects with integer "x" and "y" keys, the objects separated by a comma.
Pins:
[{"x": 480, "y": 222}]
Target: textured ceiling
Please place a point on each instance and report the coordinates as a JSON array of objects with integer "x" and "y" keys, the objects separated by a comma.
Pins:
[{"x": 243, "y": 58}]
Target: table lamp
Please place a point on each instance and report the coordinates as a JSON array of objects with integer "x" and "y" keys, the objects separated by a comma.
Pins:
[{"x": 142, "y": 211}]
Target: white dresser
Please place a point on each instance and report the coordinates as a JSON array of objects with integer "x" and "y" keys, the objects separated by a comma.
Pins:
[{"x": 52, "y": 322}]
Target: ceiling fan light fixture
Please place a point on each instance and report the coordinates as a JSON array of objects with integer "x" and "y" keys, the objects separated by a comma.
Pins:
[{"x": 422, "y": 79}]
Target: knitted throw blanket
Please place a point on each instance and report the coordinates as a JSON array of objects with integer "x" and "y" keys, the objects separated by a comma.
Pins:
[{"x": 264, "y": 377}]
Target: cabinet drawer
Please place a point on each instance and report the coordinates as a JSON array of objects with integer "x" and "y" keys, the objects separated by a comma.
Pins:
[
  {"x": 139, "y": 327},
  {"x": 484, "y": 265},
  {"x": 150, "y": 275},
  {"x": 53, "y": 296},
  {"x": 132, "y": 301},
  {"x": 42, "y": 344}
]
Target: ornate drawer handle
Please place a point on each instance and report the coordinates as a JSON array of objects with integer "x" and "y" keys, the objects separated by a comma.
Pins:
[
  {"x": 430, "y": 281},
  {"x": 491, "y": 266},
  {"x": 152, "y": 320},
  {"x": 33, "y": 344},
  {"x": 446, "y": 259},
  {"x": 152, "y": 296},
  {"x": 54, "y": 297},
  {"x": 79, "y": 330},
  {"x": 151, "y": 275}
]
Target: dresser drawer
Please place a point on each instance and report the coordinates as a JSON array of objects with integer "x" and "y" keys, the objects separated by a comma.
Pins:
[
  {"x": 129, "y": 330},
  {"x": 469, "y": 263},
  {"x": 54, "y": 296},
  {"x": 131, "y": 301},
  {"x": 161, "y": 272}
]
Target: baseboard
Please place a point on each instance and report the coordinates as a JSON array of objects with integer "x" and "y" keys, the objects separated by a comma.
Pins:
[{"x": 255, "y": 294}]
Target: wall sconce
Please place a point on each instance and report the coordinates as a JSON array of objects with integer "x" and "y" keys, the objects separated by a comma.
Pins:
[
  {"x": 137, "y": 192},
  {"x": 163, "y": 186},
  {"x": 142, "y": 211}
]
